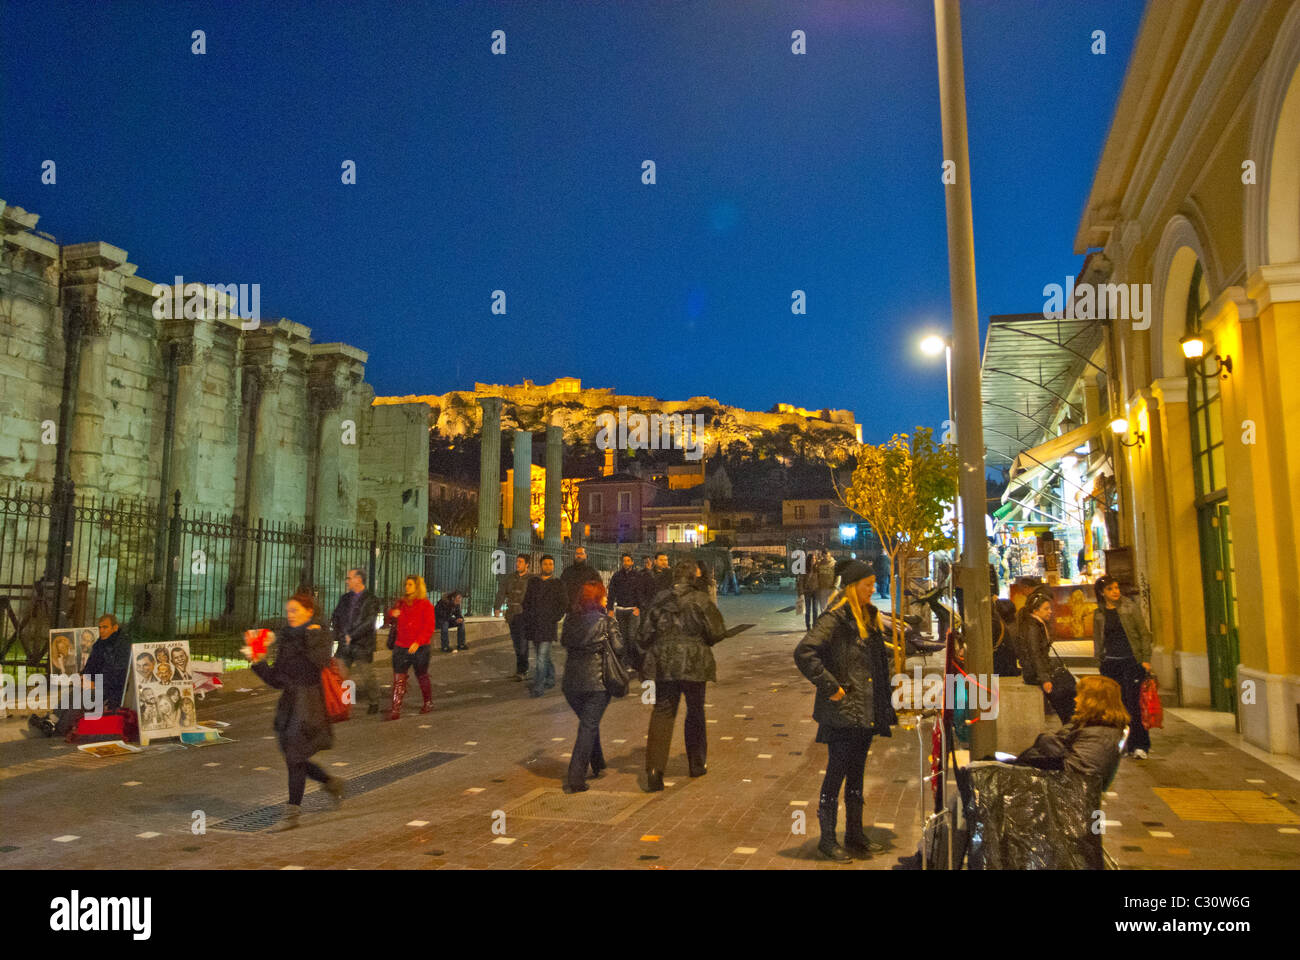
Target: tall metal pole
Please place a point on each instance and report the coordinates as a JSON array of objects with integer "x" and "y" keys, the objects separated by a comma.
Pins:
[{"x": 973, "y": 568}]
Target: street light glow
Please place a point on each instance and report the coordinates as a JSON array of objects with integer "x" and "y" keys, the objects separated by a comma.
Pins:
[{"x": 933, "y": 345}]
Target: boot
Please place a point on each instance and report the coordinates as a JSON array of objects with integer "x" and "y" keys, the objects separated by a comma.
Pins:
[
  {"x": 335, "y": 787},
  {"x": 654, "y": 780},
  {"x": 373, "y": 708},
  {"x": 855, "y": 837},
  {"x": 827, "y": 813},
  {"x": 290, "y": 819},
  {"x": 426, "y": 688},
  {"x": 399, "y": 692}
]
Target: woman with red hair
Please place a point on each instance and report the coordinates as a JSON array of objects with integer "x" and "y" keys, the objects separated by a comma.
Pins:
[
  {"x": 586, "y": 632},
  {"x": 411, "y": 622}
]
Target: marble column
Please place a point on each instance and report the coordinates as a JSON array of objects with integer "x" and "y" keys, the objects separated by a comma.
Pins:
[
  {"x": 522, "y": 524},
  {"x": 483, "y": 588},
  {"x": 554, "y": 487}
]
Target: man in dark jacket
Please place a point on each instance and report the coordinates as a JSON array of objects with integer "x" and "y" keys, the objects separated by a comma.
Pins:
[
  {"x": 625, "y": 598},
  {"x": 660, "y": 579},
  {"x": 103, "y": 677},
  {"x": 680, "y": 629},
  {"x": 544, "y": 608},
  {"x": 510, "y": 598},
  {"x": 447, "y": 614},
  {"x": 576, "y": 574},
  {"x": 353, "y": 623}
]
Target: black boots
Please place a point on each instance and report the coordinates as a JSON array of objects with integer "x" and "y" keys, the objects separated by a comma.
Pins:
[
  {"x": 827, "y": 812},
  {"x": 654, "y": 781},
  {"x": 855, "y": 838}
]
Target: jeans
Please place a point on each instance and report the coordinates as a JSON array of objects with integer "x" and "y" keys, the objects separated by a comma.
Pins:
[
  {"x": 298, "y": 774},
  {"x": 589, "y": 707},
  {"x": 460, "y": 637},
  {"x": 882, "y": 586},
  {"x": 520, "y": 642},
  {"x": 361, "y": 666},
  {"x": 544, "y": 672},
  {"x": 1128, "y": 673},
  {"x": 667, "y": 695},
  {"x": 811, "y": 610},
  {"x": 730, "y": 585}
]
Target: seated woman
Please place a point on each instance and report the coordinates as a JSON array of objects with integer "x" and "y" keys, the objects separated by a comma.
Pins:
[{"x": 1090, "y": 743}]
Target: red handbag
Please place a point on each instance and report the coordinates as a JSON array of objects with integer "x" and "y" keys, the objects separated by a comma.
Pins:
[
  {"x": 331, "y": 681},
  {"x": 1153, "y": 713}
]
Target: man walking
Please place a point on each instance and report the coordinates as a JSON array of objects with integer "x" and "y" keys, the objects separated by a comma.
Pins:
[
  {"x": 1121, "y": 642},
  {"x": 881, "y": 568},
  {"x": 625, "y": 589},
  {"x": 824, "y": 583},
  {"x": 661, "y": 578},
  {"x": 353, "y": 623},
  {"x": 510, "y": 596},
  {"x": 576, "y": 574},
  {"x": 543, "y": 609}
]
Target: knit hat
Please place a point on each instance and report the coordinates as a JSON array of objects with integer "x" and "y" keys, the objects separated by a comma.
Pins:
[{"x": 851, "y": 571}]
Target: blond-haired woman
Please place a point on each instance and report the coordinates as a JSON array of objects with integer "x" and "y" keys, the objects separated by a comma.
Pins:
[
  {"x": 411, "y": 624},
  {"x": 845, "y": 658}
]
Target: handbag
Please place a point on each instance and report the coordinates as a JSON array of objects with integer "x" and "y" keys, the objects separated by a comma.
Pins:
[
  {"x": 612, "y": 672},
  {"x": 1153, "y": 712},
  {"x": 1064, "y": 689}
]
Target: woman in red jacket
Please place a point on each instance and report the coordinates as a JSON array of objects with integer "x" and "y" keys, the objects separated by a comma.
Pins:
[{"x": 411, "y": 622}]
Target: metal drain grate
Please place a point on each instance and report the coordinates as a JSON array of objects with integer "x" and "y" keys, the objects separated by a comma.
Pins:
[
  {"x": 261, "y": 818},
  {"x": 590, "y": 806}
]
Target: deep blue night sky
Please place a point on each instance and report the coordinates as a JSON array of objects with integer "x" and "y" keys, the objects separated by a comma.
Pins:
[{"x": 476, "y": 172}]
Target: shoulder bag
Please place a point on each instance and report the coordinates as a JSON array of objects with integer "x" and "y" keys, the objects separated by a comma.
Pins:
[{"x": 612, "y": 672}]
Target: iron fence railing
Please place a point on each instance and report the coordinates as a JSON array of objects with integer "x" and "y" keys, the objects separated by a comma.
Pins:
[{"x": 65, "y": 559}]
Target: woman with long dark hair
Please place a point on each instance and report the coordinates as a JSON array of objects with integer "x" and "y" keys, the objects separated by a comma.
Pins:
[
  {"x": 301, "y": 650},
  {"x": 411, "y": 621},
  {"x": 1034, "y": 636},
  {"x": 845, "y": 658},
  {"x": 586, "y": 632}
]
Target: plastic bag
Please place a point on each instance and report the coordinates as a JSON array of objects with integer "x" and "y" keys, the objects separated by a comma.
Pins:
[
  {"x": 1153, "y": 712},
  {"x": 336, "y": 707},
  {"x": 1020, "y": 818}
]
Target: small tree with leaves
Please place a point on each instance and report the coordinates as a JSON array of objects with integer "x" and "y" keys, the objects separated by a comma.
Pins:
[{"x": 902, "y": 488}]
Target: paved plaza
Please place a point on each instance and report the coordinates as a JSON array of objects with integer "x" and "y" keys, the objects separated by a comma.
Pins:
[{"x": 476, "y": 784}]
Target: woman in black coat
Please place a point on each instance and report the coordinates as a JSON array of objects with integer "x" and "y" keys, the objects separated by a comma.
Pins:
[
  {"x": 302, "y": 650},
  {"x": 844, "y": 656},
  {"x": 583, "y": 639}
]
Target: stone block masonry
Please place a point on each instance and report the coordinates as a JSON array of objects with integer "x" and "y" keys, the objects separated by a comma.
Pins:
[{"x": 259, "y": 416}]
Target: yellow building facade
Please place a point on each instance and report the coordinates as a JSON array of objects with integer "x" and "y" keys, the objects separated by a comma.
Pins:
[{"x": 1197, "y": 194}]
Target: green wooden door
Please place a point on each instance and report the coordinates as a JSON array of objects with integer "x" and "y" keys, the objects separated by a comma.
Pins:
[{"x": 1219, "y": 580}]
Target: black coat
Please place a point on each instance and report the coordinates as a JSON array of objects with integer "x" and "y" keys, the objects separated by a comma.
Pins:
[
  {"x": 833, "y": 656},
  {"x": 544, "y": 605},
  {"x": 625, "y": 588},
  {"x": 653, "y": 583},
  {"x": 444, "y": 611},
  {"x": 111, "y": 659},
  {"x": 583, "y": 639},
  {"x": 678, "y": 632},
  {"x": 301, "y": 722},
  {"x": 1033, "y": 646},
  {"x": 360, "y": 624}
]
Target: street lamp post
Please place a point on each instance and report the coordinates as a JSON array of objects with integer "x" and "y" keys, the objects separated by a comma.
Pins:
[{"x": 973, "y": 567}]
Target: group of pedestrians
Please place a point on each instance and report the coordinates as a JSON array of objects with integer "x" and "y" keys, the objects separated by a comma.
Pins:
[{"x": 658, "y": 621}]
